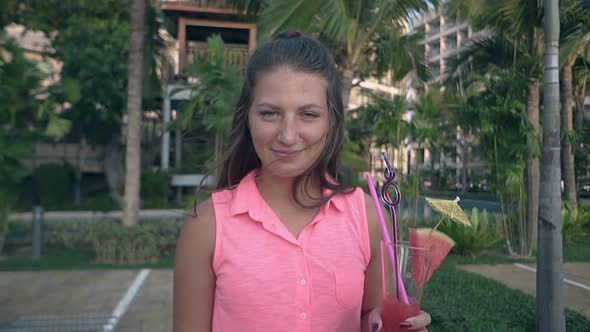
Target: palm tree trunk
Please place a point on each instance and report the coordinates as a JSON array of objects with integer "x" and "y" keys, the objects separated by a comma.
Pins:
[
  {"x": 532, "y": 166},
  {"x": 550, "y": 304},
  {"x": 579, "y": 120},
  {"x": 345, "y": 86},
  {"x": 464, "y": 160},
  {"x": 567, "y": 125},
  {"x": 134, "y": 97}
]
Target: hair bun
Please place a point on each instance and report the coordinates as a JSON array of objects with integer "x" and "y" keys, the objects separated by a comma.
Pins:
[{"x": 293, "y": 34}]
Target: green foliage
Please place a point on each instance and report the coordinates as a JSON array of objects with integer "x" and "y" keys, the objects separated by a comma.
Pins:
[
  {"x": 114, "y": 243},
  {"x": 217, "y": 90},
  {"x": 380, "y": 122},
  {"x": 482, "y": 236},
  {"x": 71, "y": 259},
  {"x": 52, "y": 183},
  {"x": 26, "y": 115},
  {"x": 155, "y": 187},
  {"x": 92, "y": 45},
  {"x": 577, "y": 250},
  {"x": 101, "y": 202},
  {"x": 70, "y": 234},
  {"x": 461, "y": 301},
  {"x": 366, "y": 36},
  {"x": 575, "y": 220},
  {"x": 351, "y": 155}
]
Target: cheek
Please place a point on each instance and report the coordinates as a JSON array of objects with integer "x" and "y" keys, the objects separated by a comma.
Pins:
[
  {"x": 260, "y": 134},
  {"x": 317, "y": 138}
]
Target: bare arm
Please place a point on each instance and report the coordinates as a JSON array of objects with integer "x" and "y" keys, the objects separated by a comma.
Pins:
[
  {"x": 372, "y": 295},
  {"x": 194, "y": 279}
]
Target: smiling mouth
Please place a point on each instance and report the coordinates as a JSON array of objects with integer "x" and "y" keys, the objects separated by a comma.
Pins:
[{"x": 286, "y": 153}]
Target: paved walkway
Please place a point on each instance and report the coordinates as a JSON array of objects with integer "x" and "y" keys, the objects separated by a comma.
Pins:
[
  {"x": 97, "y": 300},
  {"x": 523, "y": 277}
]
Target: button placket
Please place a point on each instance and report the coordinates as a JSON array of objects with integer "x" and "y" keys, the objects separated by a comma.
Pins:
[{"x": 302, "y": 291}]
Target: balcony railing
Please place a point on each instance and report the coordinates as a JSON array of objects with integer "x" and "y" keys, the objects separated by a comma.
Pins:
[
  {"x": 234, "y": 54},
  {"x": 200, "y": 3}
]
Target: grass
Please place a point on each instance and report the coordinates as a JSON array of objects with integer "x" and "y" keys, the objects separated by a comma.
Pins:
[
  {"x": 483, "y": 305},
  {"x": 577, "y": 251},
  {"x": 69, "y": 259}
]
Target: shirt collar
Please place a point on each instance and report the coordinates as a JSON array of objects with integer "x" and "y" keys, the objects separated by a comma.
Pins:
[{"x": 248, "y": 199}]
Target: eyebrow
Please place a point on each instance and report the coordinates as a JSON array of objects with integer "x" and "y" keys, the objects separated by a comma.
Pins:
[{"x": 275, "y": 107}]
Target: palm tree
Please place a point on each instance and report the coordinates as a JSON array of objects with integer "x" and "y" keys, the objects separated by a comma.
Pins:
[
  {"x": 517, "y": 26},
  {"x": 365, "y": 35},
  {"x": 575, "y": 36},
  {"x": 134, "y": 114}
]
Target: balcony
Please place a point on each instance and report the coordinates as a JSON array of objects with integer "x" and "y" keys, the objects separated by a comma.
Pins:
[
  {"x": 202, "y": 6},
  {"x": 234, "y": 54}
]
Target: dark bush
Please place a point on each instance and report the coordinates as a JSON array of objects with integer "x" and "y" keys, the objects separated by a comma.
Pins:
[
  {"x": 53, "y": 183},
  {"x": 155, "y": 188}
]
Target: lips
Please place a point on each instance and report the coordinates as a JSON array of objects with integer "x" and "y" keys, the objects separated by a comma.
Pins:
[{"x": 285, "y": 153}]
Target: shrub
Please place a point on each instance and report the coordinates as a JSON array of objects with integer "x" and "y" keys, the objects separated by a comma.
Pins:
[
  {"x": 52, "y": 183},
  {"x": 146, "y": 242},
  {"x": 114, "y": 243},
  {"x": 70, "y": 233},
  {"x": 575, "y": 219},
  {"x": 482, "y": 236},
  {"x": 155, "y": 188}
]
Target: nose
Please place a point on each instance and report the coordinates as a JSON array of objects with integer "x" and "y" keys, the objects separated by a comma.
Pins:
[{"x": 288, "y": 132}]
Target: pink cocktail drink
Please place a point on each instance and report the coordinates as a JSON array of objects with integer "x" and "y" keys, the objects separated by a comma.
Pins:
[
  {"x": 403, "y": 282},
  {"x": 394, "y": 312}
]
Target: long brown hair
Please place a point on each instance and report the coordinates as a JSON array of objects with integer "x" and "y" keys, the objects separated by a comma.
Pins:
[{"x": 300, "y": 53}]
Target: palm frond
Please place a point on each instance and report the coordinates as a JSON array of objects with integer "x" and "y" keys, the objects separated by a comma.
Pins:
[
  {"x": 403, "y": 9},
  {"x": 335, "y": 20},
  {"x": 477, "y": 57},
  {"x": 401, "y": 55},
  {"x": 281, "y": 15},
  {"x": 520, "y": 17}
]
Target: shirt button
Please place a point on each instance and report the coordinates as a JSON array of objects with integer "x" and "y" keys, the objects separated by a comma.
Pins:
[
  {"x": 303, "y": 282},
  {"x": 303, "y": 315}
]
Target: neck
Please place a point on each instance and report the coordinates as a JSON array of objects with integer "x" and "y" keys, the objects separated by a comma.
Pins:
[{"x": 280, "y": 190}]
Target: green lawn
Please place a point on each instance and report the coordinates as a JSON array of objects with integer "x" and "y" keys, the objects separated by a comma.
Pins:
[
  {"x": 578, "y": 251},
  {"x": 69, "y": 259},
  {"x": 462, "y": 301}
]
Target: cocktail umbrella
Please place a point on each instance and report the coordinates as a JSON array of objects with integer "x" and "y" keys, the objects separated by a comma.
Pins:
[{"x": 449, "y": 208}]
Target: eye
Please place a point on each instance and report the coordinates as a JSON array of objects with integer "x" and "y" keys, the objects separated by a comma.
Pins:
[
  {"x": 309, "y": 115},
  {"x": 268, "y": 115}
]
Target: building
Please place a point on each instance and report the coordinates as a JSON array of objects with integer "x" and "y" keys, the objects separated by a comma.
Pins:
[
  {"x": 195, "y": 21},
  {"x": 444, "y": 38}
]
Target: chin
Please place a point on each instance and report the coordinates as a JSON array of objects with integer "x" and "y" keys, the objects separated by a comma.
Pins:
[{"x": 286, "y": 171}]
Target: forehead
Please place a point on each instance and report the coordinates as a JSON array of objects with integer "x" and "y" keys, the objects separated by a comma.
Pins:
[{"x": 288, "y": 85}]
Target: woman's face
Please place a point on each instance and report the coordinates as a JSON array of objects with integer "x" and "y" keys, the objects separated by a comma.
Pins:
[{"x": 289, "y": 120}]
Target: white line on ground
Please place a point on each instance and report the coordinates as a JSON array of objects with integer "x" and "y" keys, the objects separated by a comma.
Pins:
[
  {"x": 567, "y": 281},
  {"x": 126, "y": 300}
]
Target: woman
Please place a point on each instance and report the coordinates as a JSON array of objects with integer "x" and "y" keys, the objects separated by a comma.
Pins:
[{"x": 282, "y": 246}]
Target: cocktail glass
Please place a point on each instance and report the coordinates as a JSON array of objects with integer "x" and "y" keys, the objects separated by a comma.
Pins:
[{"x": 402, "y": 287}]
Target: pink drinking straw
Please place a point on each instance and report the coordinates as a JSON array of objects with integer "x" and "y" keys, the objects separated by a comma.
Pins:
[{"x": 401, "y": 290}]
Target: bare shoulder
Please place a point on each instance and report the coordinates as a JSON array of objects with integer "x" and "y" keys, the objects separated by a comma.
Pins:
[
  {"x": 198, "y": 230},
  {"x": 194, "y": 278}
]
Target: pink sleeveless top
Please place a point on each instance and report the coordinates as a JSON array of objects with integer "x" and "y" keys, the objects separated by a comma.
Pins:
[{"x": 267, "y": 280}]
